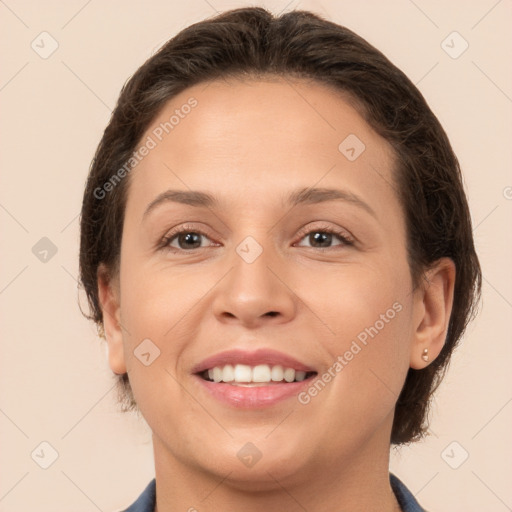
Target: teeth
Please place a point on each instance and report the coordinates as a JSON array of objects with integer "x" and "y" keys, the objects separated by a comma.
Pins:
[
  {"x": 300, "y": 376},
  {"x": 277, "y": 373},
  {"x": 289, "y": 375},
  {"x": 217, "y": 374},
  {"x": 243, "y": 373},
  {"x": 228, "y": 373},
  {"x": 262, "y": 373}
]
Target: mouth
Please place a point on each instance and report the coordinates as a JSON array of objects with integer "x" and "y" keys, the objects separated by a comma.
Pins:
[
  {"x": 255, "y": 376},
  {"x": 252, "y": 380}
]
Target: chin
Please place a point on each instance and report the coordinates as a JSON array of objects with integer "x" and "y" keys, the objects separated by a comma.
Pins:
[{"x": 256, "y": 466}]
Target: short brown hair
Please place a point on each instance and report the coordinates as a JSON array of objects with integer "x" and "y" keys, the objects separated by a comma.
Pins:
[{"x": 252, "y": 42}]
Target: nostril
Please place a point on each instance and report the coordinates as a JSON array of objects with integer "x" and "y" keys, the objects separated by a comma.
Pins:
[{"x": 272, "y": 313}]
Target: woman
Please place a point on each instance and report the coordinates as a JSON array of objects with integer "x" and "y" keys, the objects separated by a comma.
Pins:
[{"x": 276, "y": 241}]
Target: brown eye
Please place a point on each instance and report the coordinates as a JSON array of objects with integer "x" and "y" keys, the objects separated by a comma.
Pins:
[
  {"x": 322, "y": 238},
  {"x": 185, "y": 238}
]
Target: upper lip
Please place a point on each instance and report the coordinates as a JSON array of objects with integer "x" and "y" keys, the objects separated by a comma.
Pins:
[{"x": 251, "y": 358}]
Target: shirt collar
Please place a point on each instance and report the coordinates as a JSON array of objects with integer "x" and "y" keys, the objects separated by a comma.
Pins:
[{"x": 147, "y": 500}]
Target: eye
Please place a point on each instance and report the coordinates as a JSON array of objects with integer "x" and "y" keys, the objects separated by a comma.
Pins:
[
  {"x": 186, "y": 238},
  {"x": 321, "y": 236}
]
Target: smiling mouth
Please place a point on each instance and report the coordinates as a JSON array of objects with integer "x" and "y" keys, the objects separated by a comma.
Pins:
[{"x": 254, "y": 376}]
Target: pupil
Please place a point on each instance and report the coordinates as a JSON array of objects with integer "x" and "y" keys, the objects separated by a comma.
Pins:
[
  {"x": 319, "y": 235},
  {"x": 187, "y": 237}
]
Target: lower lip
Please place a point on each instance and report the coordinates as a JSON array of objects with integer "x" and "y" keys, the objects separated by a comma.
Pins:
[{"x": 255, "y": 397}]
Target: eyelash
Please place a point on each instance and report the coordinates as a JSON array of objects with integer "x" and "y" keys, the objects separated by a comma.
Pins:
[{"x": 167, "y": 239}]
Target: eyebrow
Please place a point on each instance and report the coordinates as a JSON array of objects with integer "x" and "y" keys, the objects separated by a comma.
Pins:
[{"x": 297, "y": 197}]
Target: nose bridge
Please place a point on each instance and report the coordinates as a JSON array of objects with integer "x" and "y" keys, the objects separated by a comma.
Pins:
[
  {"x": 253, "y": 287},
  {"x": 252, "y": 264}
]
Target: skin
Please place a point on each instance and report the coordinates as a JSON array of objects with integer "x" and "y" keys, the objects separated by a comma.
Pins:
[{"x": 251, "y": 143}]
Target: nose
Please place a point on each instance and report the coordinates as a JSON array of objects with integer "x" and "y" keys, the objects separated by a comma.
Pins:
[{"x": 255, "y": 294}]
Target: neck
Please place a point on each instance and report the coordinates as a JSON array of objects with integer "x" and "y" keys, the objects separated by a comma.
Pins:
[{"x": 357, "y": 481}]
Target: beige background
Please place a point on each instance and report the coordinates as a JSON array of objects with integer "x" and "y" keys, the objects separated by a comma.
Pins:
[{"x": 54, "y": 380}]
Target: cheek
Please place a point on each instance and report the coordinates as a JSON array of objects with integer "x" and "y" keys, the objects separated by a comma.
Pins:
[
  {"x": 163, "y": 313},
  {"x": 358, "y": 302},
  {"x": 154, "y": 296},
  {"x": 367, "y": 314}
]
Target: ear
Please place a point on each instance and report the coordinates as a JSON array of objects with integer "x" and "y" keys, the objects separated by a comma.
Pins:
[
  {"x": 108, "y": 291},
  {"x": 432, "y": 310}
]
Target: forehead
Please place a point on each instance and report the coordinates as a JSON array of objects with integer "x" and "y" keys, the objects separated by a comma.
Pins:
[{"x": 253, "y": 135}]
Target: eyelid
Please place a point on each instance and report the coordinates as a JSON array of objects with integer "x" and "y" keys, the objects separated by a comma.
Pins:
[
  {"x": 182, "y": 228},
  {"x": 344, "y": 234}
]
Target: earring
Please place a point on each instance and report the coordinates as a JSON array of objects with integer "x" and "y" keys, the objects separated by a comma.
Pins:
[{"x": 425, "y": 355}]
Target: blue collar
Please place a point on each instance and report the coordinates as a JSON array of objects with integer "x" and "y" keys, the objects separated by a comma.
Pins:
[
  {"x": 405, "y": 498},
  {"x": 147, "y": 500}
]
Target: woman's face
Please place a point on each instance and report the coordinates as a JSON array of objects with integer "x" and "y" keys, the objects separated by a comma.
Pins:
[{"x": 296, "y": 260}]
